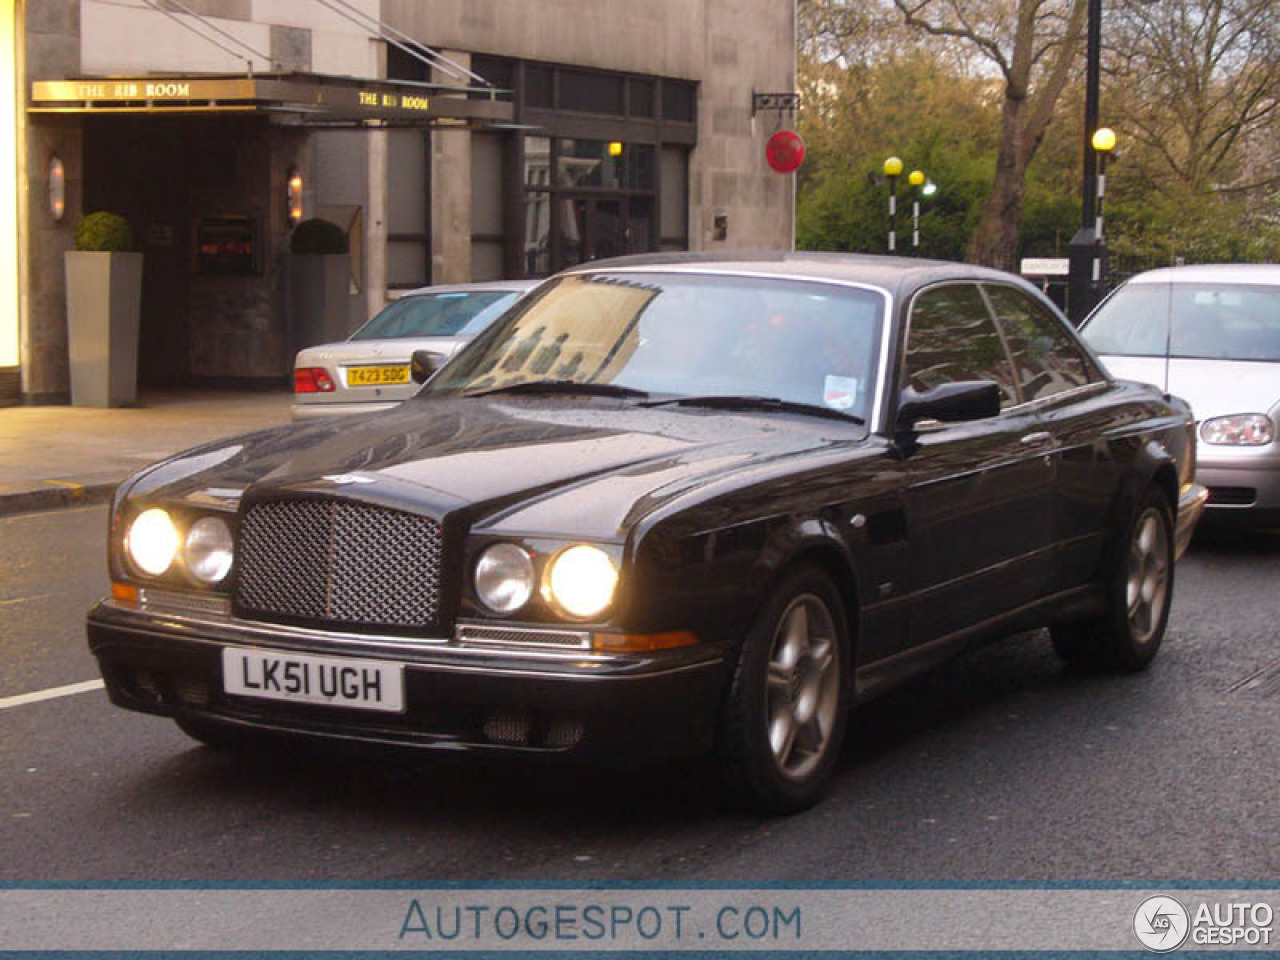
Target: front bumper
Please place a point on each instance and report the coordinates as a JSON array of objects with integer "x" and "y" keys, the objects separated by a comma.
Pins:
[
  {"x": 1243, "y": 490},
  {"x": 455, "y": 698},
  {"x": 1191, "y": 503}
]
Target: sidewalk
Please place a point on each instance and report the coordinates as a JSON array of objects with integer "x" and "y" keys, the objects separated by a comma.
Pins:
[{"x": 63, "y": 456}]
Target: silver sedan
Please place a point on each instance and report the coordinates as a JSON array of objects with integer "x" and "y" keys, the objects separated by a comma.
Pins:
[
  {"x": 369, "y": 370},
  {"x": 1211, "y": 335}
]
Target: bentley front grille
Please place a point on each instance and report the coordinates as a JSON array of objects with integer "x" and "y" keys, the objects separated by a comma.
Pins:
[{"x": 340, "y": 561}]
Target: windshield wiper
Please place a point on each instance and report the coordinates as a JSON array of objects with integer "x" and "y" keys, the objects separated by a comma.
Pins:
[
  {"x": 562, "y": 386},
  {"x": 755, "y": 402}
]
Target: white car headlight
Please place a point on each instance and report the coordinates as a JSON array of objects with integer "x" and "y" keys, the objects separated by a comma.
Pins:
[
  {"x": 152, "y": 541},
  {"x": 504, "y": 578},
  {"x": 209, "y": 550},
  {"x": 1239, "y": 430},
  {"x": 581, "y": 581}
]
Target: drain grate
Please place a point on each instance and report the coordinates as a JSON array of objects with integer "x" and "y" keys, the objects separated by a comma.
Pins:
[{"x": 1264, "y": 683}]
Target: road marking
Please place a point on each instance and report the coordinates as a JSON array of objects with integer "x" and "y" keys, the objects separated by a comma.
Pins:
[
  {"x": 51, "y": 694},
  {"x": 45, "y": 514},
  {"x": 34, "y": 596}
]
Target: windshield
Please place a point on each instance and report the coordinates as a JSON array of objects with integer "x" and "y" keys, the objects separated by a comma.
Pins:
[
  {"x": 458, "y": 314},
  {"x": 683, "y": 335},
  {"x": 1211, "y": 321}
]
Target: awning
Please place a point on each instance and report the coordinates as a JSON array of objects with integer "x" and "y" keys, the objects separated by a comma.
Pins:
[{"x": 301, "y": 98}]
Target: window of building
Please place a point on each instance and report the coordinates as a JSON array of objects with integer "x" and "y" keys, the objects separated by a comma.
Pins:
[{"x": 679, "y": 101}]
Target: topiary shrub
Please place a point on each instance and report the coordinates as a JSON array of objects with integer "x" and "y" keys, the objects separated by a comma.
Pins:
[
  {"x": 318, "y": 236},
  {"x": 104, "y": 231}
]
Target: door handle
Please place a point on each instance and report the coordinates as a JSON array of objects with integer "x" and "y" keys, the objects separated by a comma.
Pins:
[{"x": 1038, "y": 439}]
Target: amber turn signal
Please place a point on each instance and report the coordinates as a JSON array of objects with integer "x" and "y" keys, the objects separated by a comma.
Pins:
[
  {"x": 124, "y": 592},
  {"x": 642, "y": 642}
]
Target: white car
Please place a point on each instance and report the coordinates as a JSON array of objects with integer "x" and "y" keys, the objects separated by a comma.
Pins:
[
  {"x": 370, "y": 369},
  {"x": 1211, "y": 335}
]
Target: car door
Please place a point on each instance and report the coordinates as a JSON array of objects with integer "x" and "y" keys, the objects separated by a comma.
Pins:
[
  {"x": 978, "y": 492},
  {"x": 1058, "y": 377}
]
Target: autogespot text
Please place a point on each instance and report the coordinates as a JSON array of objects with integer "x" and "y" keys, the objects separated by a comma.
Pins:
[{"x": 430, "y": 923}]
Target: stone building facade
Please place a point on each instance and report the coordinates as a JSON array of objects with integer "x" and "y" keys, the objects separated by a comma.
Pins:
[{"x": 558, "y": 131}]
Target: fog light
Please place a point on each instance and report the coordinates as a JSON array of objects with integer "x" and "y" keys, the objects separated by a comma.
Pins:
[{"x": 152, "y": 542}]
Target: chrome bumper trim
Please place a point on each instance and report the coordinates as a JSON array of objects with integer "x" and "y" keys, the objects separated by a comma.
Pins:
[
  {"x": 428, "y": 653},
  {"x": 1190, "y": 506}
]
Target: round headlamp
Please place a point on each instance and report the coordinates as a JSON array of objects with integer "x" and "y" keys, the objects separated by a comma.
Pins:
[
  {"x": 152, "y": 541},
  {"x": 581, "y": 581},
  {"x": 209, "y": 550},
  {"x": 504, "y": 578},
  {"x": 1238, "y": 430}
]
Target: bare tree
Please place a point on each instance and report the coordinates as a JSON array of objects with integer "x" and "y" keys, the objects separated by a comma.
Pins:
[
  {"x": 1199, "y": 81},
  {"x": 1032, "y": 44}
]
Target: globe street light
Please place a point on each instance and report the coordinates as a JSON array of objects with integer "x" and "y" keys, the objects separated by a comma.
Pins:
[
  {"x": 892, "y": 168},
  {"x": 1103, "y": 142},
  {"x": 916, "y": 179}
]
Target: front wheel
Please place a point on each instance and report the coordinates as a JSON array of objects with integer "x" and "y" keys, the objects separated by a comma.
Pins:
[
  {"x": 788, "y": 705},
  {"x": 1139, "y": 595}
]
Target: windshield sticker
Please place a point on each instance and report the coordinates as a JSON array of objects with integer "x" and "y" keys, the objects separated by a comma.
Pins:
[{"x": 839, "y": 393}]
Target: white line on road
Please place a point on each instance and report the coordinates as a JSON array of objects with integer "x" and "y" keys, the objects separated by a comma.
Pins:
[{"x": 51, "y": 694}]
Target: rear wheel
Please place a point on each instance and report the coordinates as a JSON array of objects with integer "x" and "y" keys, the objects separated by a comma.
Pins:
[
  {"x": 788, "y": 705},
  {"x": 1139, "y": 594}
]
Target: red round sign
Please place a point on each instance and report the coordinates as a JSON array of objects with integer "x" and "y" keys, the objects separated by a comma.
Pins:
[{"x": 785, "y": 151}]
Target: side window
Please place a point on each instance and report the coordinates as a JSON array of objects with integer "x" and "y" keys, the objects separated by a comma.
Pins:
[
  {"x": 1046, "y": 356},
  {"x": 953, "y": 338}
]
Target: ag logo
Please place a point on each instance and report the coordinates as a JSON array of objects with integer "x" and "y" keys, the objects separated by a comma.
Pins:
[{"x": 1161, "y": 923}]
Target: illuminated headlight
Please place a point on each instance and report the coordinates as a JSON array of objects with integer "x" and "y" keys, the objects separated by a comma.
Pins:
[
  {"x": 581, "y": 581},
  {"x": 152, "y": 541},
  {"x": 1239, "y": 430},
  {"x": 504, "y": 578},
  {"x": 209, "y": 550}
]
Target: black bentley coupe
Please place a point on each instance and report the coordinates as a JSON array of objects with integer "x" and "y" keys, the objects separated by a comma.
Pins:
[{"x": 664, "y": 505}]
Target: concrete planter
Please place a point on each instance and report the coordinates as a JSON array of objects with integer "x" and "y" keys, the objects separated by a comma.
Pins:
[
  {"x": 316, "y": 296},
  {"x": 104, "y": 300}
]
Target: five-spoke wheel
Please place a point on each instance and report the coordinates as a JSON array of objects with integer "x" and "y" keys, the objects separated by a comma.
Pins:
[
  {"x": 787, "y": 709},
  {"x": 1139, "y": 591}
]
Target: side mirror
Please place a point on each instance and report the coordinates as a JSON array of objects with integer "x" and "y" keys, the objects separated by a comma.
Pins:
[
  {"x": 950, "y": 402},
  {"x": 423, "y": 364}
]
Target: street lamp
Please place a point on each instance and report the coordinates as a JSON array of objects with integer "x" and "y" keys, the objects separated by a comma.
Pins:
[
  {"x": 1103, "y": 142},
  {"x": 892, "y": 168},
  {"x": 916, "y": 179}
]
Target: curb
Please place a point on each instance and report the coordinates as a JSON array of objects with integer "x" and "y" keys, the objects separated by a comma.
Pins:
[{"x": 55, "y": 495}]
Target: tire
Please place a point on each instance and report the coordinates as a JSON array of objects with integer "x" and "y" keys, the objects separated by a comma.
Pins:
[
  {"x": 1139, "y": 593},
  {"x": 788, "y": 704}
]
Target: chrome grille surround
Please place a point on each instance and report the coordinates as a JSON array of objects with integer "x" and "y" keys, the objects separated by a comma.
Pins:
[{"x": 340, "y": 561}]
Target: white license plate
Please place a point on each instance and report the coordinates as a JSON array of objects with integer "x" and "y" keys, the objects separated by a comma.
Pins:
[{"x": 331, "y": 681}]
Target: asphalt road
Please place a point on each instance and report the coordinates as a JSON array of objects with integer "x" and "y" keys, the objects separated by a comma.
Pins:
[{"x": 1001, "y": 766}]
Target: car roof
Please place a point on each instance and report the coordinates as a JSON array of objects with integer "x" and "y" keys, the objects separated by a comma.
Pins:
[
  {"x": 890, "y": 273},
  {"x": 1262, "y": 273}
]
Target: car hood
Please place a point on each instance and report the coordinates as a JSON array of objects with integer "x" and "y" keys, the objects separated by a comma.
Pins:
[
  {"x": 1214, "y": 388},
  {"x": 397, "y": 349},
  {"x": 555, "y": 466}
]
